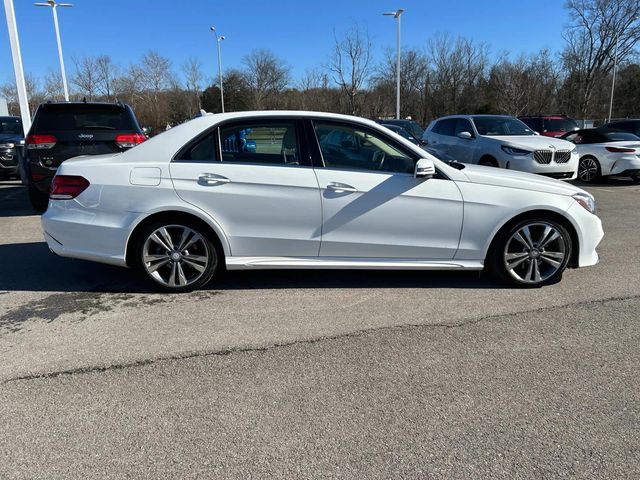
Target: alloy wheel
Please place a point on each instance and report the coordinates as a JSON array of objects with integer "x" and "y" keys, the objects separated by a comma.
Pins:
[
  {"x": 175, "y": 256},
  {"x": 535, "y": 252},
  {"x": 587, "y": 169}
]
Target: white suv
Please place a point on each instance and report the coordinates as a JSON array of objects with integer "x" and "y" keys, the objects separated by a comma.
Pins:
[{"x": 501, "y": 141}]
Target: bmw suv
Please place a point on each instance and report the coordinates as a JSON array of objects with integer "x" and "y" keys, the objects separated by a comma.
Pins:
[{"x": 66, "y": 129}]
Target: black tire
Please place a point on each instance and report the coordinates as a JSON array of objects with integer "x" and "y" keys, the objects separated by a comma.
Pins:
[
  {"x": 589, "y": 170},
  {"x": 166, "y": 274},
  {"x": 522, "y": 257},
  {"x": 635, "y": 179},
  {"x": 39, "y": 201}
]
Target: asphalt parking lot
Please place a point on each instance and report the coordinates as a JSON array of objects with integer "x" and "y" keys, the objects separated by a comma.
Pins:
[{"x": 328, "y": 374}]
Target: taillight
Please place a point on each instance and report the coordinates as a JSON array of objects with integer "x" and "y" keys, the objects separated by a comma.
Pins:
[
  {"x": 621, "y": 150},
  {"x": 66, "y": 187},
  {"x": 128, "y": 140},
  {"x": 37, "y": 142}
]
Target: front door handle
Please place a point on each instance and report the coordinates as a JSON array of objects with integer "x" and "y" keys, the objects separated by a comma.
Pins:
[
  {"x": 341, "y": 187},
  {"x": 212, "y": 179}
]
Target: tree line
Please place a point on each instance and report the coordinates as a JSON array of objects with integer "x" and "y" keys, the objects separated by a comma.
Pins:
[{"x": 446, "y": 75}]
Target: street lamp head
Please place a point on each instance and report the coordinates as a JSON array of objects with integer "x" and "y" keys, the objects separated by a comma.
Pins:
[
  {"x": 221, "y": 37},
  {"x": 212, "y": 28},
  {"x": 395, "y": 14}
]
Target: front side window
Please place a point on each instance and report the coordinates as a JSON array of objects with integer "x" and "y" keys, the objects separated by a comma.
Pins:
[
  {"x": 501, "y": 126},
  {"x": 272, "y": 143},
  {"x": 354, "y": 148},
  {"x": 463, "y": 125}
]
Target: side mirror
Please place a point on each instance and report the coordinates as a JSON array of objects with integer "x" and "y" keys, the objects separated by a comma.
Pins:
[
  {"x": 423, "y": 142},
  {"x": 425, "y": 169},
  {"x": 536, "y": 133},
  {"x": 146, "y": 130},
  {"x": 465, "y": 135}
]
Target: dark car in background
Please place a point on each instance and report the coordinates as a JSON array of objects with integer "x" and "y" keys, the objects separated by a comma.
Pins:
[
  {"x": 67, "y": 129},
  {"x": 631, "y": 125},
  {"x": 410, "y": 126},
  {"x": 404, "y": 133},
  {"x": 550, "y": 125},
  {"x": 11, "y": 145}
]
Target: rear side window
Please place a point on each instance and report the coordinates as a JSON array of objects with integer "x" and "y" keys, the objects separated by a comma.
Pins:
[
  {"x": 61, "y": 118},
  {"x": 273, "y": 143},
  {"x": 620, "y": 136},
  {"x": 203, "y": 150}
]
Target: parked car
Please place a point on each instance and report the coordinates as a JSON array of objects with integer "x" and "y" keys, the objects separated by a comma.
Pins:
[
  {"x": 403, "y": 133},
  {"x": 550, "y": 125},
  {"x": 605, "y": 152},
  {"x": 67, "y": 129},
  {"x": 501, "y": 141},
  {"x": 319, "y": 190},
  {"x": 631, "y": 125},
  {"x": 11, "y": 146},
  {"x": 410, "y": 126}
]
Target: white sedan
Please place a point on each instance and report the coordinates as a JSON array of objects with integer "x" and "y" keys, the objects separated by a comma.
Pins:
[
  {"x": 266, "y": 190},
  {"x": 605, "y": 152}
]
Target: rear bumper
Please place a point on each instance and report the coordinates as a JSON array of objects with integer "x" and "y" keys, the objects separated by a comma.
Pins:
[{"x": 71, "y": 231}]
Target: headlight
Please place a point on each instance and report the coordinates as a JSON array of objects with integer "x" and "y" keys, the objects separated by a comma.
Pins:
[
  {"x": 586, "y": 201},
  {"x": 514, "y": 151},
  {"x": 7, "y": 145}
]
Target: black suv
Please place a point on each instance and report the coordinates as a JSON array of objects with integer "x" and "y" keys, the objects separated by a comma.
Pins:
[
  {"x": 64, "y": 130},
  {"x": 631, "y": 125},
  {"x": 11, "y": 144}
]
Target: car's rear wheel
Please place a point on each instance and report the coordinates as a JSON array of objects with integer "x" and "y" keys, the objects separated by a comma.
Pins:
[
  {"x": 532, "y": 253},
  {"x": 39, "y": 201},
  {"x": 176, "y": 257},
  {"x": 589, "y": 169}
]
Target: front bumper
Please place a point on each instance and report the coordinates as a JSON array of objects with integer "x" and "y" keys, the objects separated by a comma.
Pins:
[
  {"x": 589, "y": 231},
  {"x": 526, "y": 163}
]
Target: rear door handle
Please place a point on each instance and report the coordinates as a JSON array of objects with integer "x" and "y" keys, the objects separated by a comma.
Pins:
[
  {"x": 212, "y": 179},
  {"x": 341, "y": 187}
]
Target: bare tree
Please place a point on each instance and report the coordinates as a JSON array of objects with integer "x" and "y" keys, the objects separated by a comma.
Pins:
[
  {"x": 10, "y": 93},
  {"x": 266, "y": 75},
  {"x": 192, "y": 70},
  {"x": 86, "y": 77},
  {"x": 597, "y": 26},
  {"x": 107, "y": 73},
  {"x": 350, "y": 64},
  {"x": 52, "y": 88}
]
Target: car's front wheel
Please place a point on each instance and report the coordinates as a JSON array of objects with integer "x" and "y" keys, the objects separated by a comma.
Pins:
[
  {"x": 532, "y": 253},
  {"x": 176, "y": 257}
]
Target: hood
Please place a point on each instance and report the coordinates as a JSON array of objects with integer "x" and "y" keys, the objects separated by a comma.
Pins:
[
  {"x": 533, "y": 142},
  {"x": 525, "y": 181}
]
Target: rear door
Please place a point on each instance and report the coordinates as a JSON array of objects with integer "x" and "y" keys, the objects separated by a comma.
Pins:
[
  {"x": 72, "y": 130},
  {"x": 254, "y": 178}
]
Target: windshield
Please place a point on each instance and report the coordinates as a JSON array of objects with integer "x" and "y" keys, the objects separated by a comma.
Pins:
[
  {"x": 402, "y": 132},
  {"x": 620, "y": 136},
  {"x": 559, "y": 125},
  {"x": 12, "y": 126},
  {"x": 494, "y": 126}
]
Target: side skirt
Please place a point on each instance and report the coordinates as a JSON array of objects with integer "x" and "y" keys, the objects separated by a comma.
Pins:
[{"x": 248, "y": 263}]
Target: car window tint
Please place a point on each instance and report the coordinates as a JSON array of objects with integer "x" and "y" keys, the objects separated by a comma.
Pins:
[
  {"x": 70, "y": 117},
  {"x": 267, "y": 143},
  {"x": 354, "y": 148},
  {"x": 463, "y": 125},
  {"x": 204, "y": 150}
]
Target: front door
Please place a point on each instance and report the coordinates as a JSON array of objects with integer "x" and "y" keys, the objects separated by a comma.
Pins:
[{"x": 373, "y": 206}]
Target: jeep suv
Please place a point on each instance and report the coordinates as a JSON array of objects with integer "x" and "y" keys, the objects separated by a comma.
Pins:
[
  {"x": 11, "y": 143},
  {"x": 64, "y": 130}
]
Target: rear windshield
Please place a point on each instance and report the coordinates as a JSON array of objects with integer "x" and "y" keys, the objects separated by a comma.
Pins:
[
  {"x": 559, "y": 125},
  {"x": 60, "y": 118},
  {"x": 11, "y": 126}
]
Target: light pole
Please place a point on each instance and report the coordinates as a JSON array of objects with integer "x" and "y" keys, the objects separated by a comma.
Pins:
[
  {"x": 54, "y": 8},
  {"x": 219, "y": 38},
  {"x": 613, "y": 82},
  {"x": 17, "y": 65},
  {"x": 397, "y": 15}
]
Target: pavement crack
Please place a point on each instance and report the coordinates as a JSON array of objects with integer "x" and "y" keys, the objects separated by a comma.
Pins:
[{"x": 306, "y": 341}]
